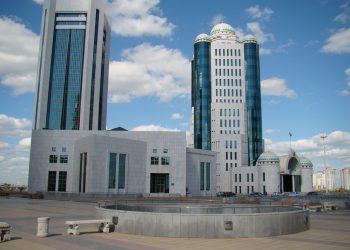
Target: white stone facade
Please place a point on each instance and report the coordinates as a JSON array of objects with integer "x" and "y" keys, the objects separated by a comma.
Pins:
[
  {"x": 75, "y": 148},
  {"x": 345, "y": 178}
]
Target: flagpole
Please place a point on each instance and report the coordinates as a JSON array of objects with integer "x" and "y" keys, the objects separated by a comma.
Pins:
[{"x": 290, "y": 140}]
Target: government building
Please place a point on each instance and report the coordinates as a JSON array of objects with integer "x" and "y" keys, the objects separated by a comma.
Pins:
[{"x": 226, "y": 117}]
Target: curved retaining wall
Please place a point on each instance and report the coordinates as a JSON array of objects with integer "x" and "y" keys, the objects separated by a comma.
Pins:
[{"x": 208, "y": 225}]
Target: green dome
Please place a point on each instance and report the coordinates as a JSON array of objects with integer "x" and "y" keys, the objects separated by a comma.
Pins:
[
  {"x": 268, "y": 156},
  {"x": 250, "y": 38},
  {"x": 202, "y": 38},
  {"x": 305, "y": 162},
  {"x": 222, "y": 28}
]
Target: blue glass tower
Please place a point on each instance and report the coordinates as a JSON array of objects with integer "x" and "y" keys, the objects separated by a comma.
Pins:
[
  {"x": 253, "y": 100},
  {"x": 73, "y": 65},
  {"x": 66, "y": 73},
  {"x": 201, "y": 92}
]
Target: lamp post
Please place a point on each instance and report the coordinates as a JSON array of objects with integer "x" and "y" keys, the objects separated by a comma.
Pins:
[{"x": 324, "y": 137}]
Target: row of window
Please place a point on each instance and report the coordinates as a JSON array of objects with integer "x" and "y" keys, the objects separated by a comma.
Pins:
[
  {"x": 219, "y": 92},
  {"x": 231, "y": 165},
  {"x": 223, "y": 72},
  {"x": 229, "y": 132},
  {"x": 231, "y": 144},
  {"x": 227, "y": 52},
  {"x": 228, "y": 82},
  {"x": 54, "y": 158},
  {"x": 226, "y": 62},
  {"x": 165, "y": 160},
  {"x": 155, "y": 151},
  {"x": 227, "y": 123},
  {"x": 229, "y": 112},
  {"x": 64, "y": 149},
  {"x": 52, "y": 180},
  {"x": 228, "y": 100},
  {"x": 230, "y": 154},
  {"x": 250, "y": 189}
]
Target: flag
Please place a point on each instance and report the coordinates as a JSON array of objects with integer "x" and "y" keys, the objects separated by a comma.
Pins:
[{"x": 290, "y": 134}]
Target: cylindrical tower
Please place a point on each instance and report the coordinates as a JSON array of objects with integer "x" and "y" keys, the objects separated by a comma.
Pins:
[
  {"x": 269, "y": 174},
  {"x": 306, "y": 174},
  {"x": 201, "y": 92},
  {"x": 253, "y": 99}
]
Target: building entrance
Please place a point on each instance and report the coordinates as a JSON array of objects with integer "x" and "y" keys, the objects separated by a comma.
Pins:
[
  {"x": 159, "y": 183},
  {"x": 290, "y": 183}
]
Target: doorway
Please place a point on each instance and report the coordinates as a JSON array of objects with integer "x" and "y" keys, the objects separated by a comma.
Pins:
[{"x": 159, "y": 183}]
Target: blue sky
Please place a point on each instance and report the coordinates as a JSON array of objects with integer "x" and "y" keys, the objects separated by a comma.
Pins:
[{"x": 305, "y": 71}]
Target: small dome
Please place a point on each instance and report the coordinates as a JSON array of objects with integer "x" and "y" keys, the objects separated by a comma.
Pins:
[
  {"x": 250, "y": 38},
  {"x": 305, "y": 162},
  {"x": 268, "y": 156},
  {"x": 222, "y": 28},
  {"x": 202, "y": 38}
]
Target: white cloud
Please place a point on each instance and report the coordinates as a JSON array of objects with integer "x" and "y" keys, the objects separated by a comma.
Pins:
[
  {"x": 19, "y": 48},
  {"x": 256, "y": 30},
  {"x": 347, "y": 73},
  {"x": 339, "y": 42},
  {"x": 24, "y": 144},
  {"x": 264, "y": 51},
  {"x": 311, "y": 43},
  {"x": 148, "y": 70},
  {"x": 38, "y": 1},
  {"x": 271, "y": 131},
  {"x": 14, "y": 170},
  {"x": 344, "y": 16},
  {"x": 277, "y": 87},
  {"x": 217, "y": 19},
  {"x": 4, "y": 145},
  {"x": 344, "y": 92},
  {"x": 2, "y": 158},
  {"x": 152, "y": 127},
  {"x": 337, "y": 146},
  {"x": 256, "y": 12},
  {"x": 177, "y": 116},
  {"x": 11, "y": 126},
  {"x": 138, "y": 17}
]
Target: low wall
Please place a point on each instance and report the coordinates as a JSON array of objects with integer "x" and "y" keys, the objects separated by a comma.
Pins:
[{"x": 207, "y": 225}]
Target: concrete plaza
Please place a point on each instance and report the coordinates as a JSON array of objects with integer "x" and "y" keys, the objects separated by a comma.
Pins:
[{"x": 329, "y": 230}]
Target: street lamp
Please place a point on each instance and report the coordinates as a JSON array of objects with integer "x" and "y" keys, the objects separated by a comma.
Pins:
[{"x": 324, "y": 137}]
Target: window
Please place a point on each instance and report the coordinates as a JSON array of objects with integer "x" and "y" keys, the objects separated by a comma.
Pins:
[
  {"x": 263, "y": 176},
  {"x": 247, "y": 177},
  {"x": 165, "y": 150},
  {"x": 53, "y": 149},
  {"x": 121, "y": 174},
  {"x": 51, "y": 183},
  {"x": 112, "y": 170},
  {"x": 64, "y": 149},
  {"x": 252, "y": 177},
  {"x": 240, "y": 179},
  {"x": 226, "y": 166},
  {"x": 235, "y": 155},
  {"x": 154, "y": 151},
  {"x": 202, "y": 176},
  {"x": 240, "y": 189},
  {"x": 236, "y": 189},
  {"x": 236, "y": 178},
  {"x": 252, "y": 189},
  {"x": 264, "y": 189},
  {"x": 165, "y": 160},
  {"x": 230, "y": 155},
  {"x": 154, "y": 160},
  {"x": 248, "y": 189},
  {"x": 53, "y": 159},
  {"x": 63, "y": 158},
  {"x": 62, "y": 181},
  {"x": 207, "y": 180}
]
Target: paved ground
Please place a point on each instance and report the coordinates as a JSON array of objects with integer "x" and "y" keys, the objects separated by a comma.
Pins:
[{"x": 329, "y": 230}]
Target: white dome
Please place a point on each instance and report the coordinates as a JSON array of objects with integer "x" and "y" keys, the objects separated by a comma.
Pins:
[
  {"x": 268, "y": 156},
  {"x": 222, "y": 28},
  {"x": 202, "y": 38},
  {"x": 250, "y": 38},
  {"x": 305, "y": 162}
]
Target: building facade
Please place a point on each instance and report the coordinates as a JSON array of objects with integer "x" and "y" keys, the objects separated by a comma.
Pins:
[
  {"x": 325, "y": 180},
  {"x": 345, "y": 178},
  {"x": 71, "y": 151},
  {"x": 226, "y": 102},
  {"x": 72, "y": 74},
  {"x": 119, "y": 162}
]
